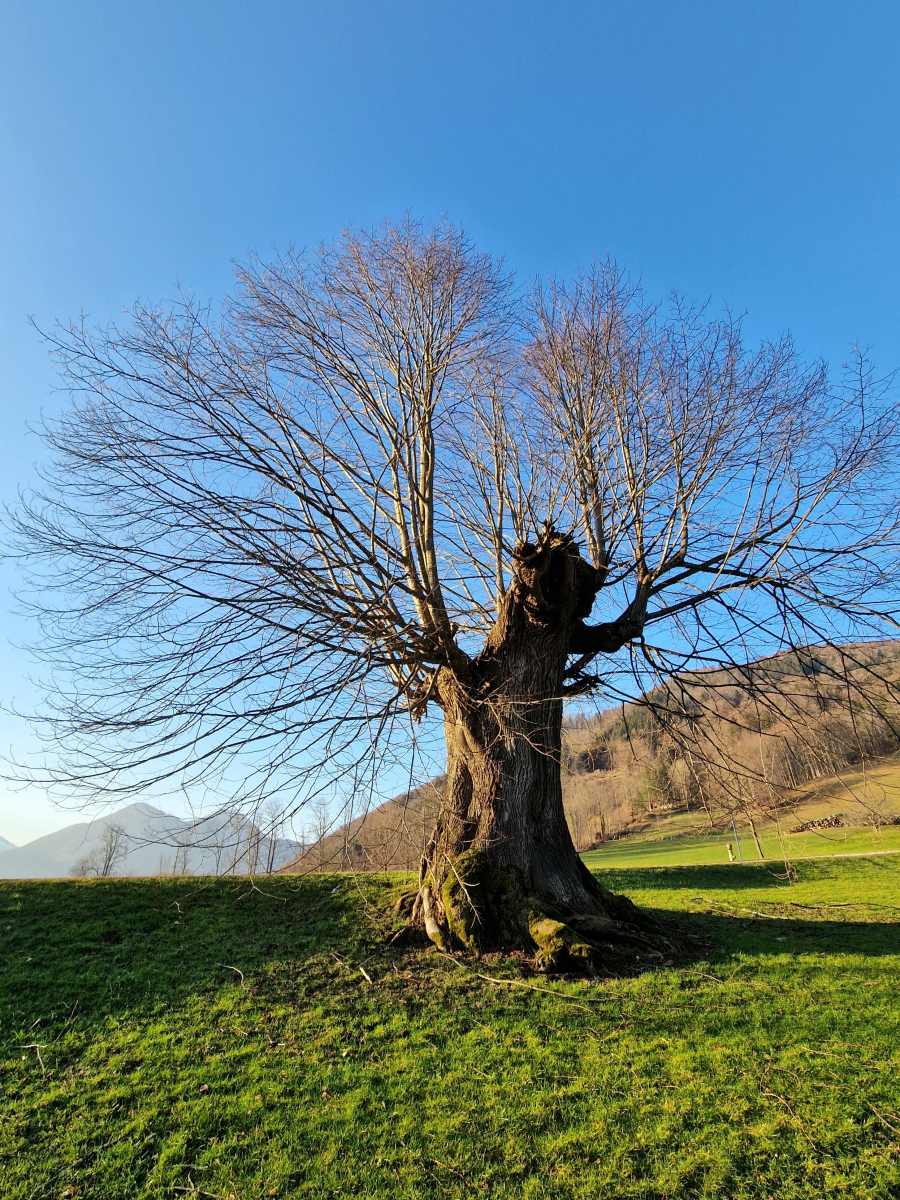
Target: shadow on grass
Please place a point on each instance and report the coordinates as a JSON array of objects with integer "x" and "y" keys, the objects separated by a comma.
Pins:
[
  {"x": 115, "y": 947},
  {"x": 726, "y": 936},
  {"x": 124, "y": 945}
]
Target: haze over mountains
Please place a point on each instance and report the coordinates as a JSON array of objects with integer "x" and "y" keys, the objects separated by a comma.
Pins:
[{"x": 151, "y": 842}]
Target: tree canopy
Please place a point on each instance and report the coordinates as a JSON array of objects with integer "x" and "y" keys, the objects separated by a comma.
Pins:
[{"x": 265, "y": 529}]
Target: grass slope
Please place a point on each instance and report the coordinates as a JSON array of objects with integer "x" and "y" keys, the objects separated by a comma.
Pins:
[
  {"x": 672, "y": 839},
  {"x": 769, "y": 1069},
  {"x": 678, "y": 851}
]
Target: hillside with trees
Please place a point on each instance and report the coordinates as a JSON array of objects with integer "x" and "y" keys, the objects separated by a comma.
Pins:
[{"x": 736, "y": 743}]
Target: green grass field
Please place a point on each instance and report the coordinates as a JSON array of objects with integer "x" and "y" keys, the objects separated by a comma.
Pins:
[
  {"x": 170, "y": 1038},
  {"x": 673, "y": 839},
  {"x": 685, "y": 851}
]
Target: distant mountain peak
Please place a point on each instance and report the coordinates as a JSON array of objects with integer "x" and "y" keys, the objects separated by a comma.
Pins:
[{"x": 152, "y": 842}]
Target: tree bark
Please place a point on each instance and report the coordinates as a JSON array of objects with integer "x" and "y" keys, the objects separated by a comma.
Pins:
[
  {"x": 501, "y": 871},
  {"x": 759, "y": 848}
]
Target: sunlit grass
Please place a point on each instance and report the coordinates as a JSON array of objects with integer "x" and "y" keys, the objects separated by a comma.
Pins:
[
  {"x": 685, "y": 850},
  {"x": 768, "y": 1066},
  {"x": 678, "y": 838}
]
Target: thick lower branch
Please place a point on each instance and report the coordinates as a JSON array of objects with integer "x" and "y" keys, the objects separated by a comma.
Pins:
[{"x": 606, "y": 638}]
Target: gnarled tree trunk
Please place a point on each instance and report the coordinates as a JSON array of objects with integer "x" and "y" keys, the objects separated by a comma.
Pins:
[{"x": 501, "y": 871}]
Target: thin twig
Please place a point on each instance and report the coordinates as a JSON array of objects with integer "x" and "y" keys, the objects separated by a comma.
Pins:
[
  {"x": 738, "y": 908},
  {"x": 775, "y": 1096},
  {"x": 255, "y": 888},
  {"x": 532, "y": 987},
  {"x": 37, "y": 1048},
  {"x": 195, "y": 1191},
  {"x": 893, "y": 1128},
  {"x": 236, "y": 971}
]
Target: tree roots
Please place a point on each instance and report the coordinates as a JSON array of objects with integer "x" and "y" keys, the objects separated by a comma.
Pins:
[{"x": 482, "y": 910}]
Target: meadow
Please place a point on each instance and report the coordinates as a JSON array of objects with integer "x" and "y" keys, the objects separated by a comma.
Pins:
[
  {"x": 674, "y": 839},
  {"x": 185, "y": 1037},
  {"x": 684, "y": 850}
]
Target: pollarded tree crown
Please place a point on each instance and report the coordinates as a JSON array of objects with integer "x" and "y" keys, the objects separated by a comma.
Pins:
[{"x": 263, "y": 531}]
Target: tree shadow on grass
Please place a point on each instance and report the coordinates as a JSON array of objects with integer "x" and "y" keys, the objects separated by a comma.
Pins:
[
  {"x": 108, "y": 948},
  {"x": 771, "y": 918},
  {"x": 127, "y": 945},
  {"x": 718, "y": 935}
]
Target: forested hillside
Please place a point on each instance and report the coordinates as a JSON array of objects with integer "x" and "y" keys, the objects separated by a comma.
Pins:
[{"x": 736, "y": 742}]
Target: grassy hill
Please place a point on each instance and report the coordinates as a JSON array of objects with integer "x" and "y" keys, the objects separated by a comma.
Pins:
[
  {"x": 752, "y": 742},
  {"x": 673, "y": 838},
  {"x": 185, "y": 1037}
]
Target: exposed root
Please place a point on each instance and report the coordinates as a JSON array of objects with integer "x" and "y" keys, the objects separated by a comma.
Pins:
[
  {"x": 404, "y": 905},
  {"x": 432, "y": 928},
  {"x": 586, "y": 943},
  {"x": 550, "y": 936}
]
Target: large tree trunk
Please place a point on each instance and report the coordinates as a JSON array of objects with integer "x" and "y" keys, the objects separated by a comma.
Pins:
[{"x": 501, "y": 871}]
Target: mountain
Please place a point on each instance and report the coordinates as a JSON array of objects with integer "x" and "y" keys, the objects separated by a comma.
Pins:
[
  {"x": 5, "y": 845},
  {"x": 141, "y": 840}
]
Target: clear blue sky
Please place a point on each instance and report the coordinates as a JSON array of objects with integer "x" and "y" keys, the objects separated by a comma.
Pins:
[{"x": 742, "y": 151}]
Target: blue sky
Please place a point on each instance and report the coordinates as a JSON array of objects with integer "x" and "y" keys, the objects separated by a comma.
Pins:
[{"x": 741, "y": 152}]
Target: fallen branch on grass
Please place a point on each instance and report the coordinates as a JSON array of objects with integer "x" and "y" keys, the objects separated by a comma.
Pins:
[
  {"x": 860, "y": 904},
  {"x": 226, "y": 967},
  {"x": 893, "y": 1128},
  {"x": 37, "y": 1048},
  {"x": 533, "y": 987},
  {"x": 781, "y": 1099}
]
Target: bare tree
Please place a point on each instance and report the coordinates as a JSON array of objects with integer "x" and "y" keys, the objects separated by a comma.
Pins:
[
  {"x": 385, "y": 484},
  {"x": 253, "y": 849},
  {"x": 272, "y": 818},
  {"x": 107, "y": 855},
  {"x": 746, "y": 740},
  {"x": 323, "y": 850},
  {"x": 575, "y": 823},
  {"x": 183, "y": 840}
]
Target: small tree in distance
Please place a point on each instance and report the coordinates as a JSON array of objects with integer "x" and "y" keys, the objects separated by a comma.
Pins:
[
  {"x": 107, "y": 855},
  {"x": 385, "y": 486}
]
